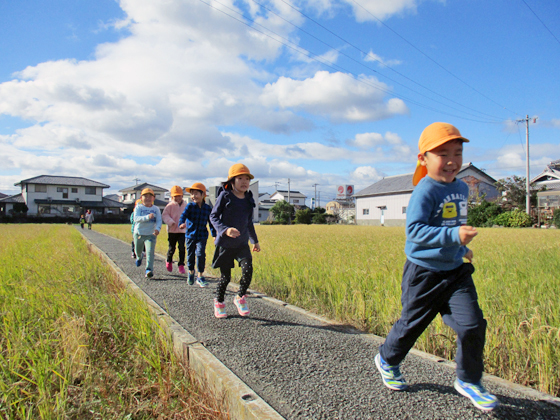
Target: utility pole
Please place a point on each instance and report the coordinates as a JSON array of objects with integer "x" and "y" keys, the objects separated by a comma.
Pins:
[
  {"x": 528, "y": 181},
  {"x": 288, "y": 190},
  {"x": 315, "y": 202},
  {"x": 136, "y": 179}
]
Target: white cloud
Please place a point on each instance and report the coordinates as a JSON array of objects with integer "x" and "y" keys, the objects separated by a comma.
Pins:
[{"x": 367, "y": 10}]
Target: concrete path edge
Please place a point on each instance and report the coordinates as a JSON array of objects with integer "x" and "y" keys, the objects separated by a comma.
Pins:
[{"x": 241, "y": 401}]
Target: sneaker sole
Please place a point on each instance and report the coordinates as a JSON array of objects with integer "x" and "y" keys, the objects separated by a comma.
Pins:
[
  {"x": 464, "y": 393},
  {"x": 239, "y": 310},
  {"x": 149, "y": 275},
  {"x": 392, "y": 387}
]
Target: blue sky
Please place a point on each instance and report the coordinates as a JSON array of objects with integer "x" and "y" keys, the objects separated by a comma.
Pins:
[{"x": 325, "y": 92}]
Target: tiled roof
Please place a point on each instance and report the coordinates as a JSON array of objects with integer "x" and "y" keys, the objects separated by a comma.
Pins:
[
  {"x": 292, "y": 193},
  {"x": 63, "y": 180},
  {"x": 140, "y": 187},
  {"x": 2, "y": 195},
  {"x": 18, "y": 198}
]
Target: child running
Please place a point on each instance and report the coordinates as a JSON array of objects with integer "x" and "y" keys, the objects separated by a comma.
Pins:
[
  {"x": 195, "y": 217},
  {"x": 147, "y": 224},
  {"x": 435, "y": 278},
  {"x": 132, "y": 229},
  {"x": 175, "y": 233},
  {"x": 82, "y": 221},
  {"x": 232, "y": 217}
]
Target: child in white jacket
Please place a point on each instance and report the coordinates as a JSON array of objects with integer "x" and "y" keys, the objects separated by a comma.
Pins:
[
  {"x": 147, "y": 224},
  {"x": 175, "y": 235}
]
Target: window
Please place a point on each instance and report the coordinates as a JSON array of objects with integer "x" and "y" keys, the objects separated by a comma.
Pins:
[
  {"x": 90, "y": 190},
  {"x": 40, "y": 188},
  {"x": 64, "y": 191},
  {"x": 74, "y": 191},
  {"x": 296, "y": 201},
  {"x": 365, "y": 211},
  {"x": 404, "y": 210}
]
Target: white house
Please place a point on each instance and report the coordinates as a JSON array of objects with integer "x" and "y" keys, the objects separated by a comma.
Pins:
[
  {"x": 384, "y": 203},
  {"x": 50, "y": 195},
  {"x": 293, "y": 197},
  {"x": 548, "y": 200}
]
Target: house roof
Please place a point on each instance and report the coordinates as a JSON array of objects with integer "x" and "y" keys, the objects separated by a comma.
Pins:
[
  {"x": 399, "y": 184},
  {"x": 293, "y": 194},
  {"x": 74, "y": 181},
  {"x": 105, "y": 202},
  {"x": 140, "y": 187},
  {"x": 18, "y": 198},
  {"x": 2, "y": 195},
  {"x": 551, "y": 173}
]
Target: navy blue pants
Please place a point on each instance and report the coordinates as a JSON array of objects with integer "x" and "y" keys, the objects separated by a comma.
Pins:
[
  {"x": 452, "y": 294},
  {"x": 196, "y": 249}
]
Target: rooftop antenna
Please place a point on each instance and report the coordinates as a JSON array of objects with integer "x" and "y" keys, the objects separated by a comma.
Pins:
[{"x": 137, "y": 179}]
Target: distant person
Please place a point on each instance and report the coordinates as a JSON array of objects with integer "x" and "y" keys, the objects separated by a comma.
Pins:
[
  {"x": 89, "y": 219},
  {"x": 147, "y": 225},
  {"x": 175, "y": 233},
  {"x": 435, "y": 278},
  {"x": 132, "y": 230},
  {"x": 194, "y": 219},
  {"x": 82, "y": 221},
  {"x": 232, "y": 217}
]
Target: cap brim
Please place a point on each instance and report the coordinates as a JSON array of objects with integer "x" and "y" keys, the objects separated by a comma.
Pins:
[{"x": 419, "y": 173}]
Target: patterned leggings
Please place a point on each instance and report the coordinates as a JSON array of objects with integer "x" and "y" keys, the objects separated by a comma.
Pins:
[{"x": 246, "y": 277}]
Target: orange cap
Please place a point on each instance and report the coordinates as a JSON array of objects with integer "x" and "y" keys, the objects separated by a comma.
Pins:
[
  {"x": 146, "y": 191},
  {"x": 239, "y": 169},
  {"x": 176, "y": 190},
  {"x": 434, "y": 136},
  {"x": 197, "y": 186}
]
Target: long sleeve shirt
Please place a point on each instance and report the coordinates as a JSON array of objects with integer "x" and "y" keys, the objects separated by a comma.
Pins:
[
  {"x": 231, "y": 211},
  {"x": 143, "y": 225},
  {"x": 435, "y": 213},
  {"x": 197, "y": 218},
  {"x": 171, "y": 216}
]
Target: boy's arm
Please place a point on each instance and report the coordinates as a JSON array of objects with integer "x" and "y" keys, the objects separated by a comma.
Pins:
[
  {"x": 184, "y": 215},
  {"x": 158, "y": 219}
]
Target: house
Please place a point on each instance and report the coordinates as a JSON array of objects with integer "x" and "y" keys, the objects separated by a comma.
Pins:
[
  {"x": 265, "y": 204},
  {"x": 253, "y": 187},
  {"x": 344, "y": 209},
  {"x": 384, "y": 203},
  {"x": 548, "y": 200},
  {"x": 293, "y": 197},
  {"x": 129, "y": 195},
  {"x": 50, "y": 195}
]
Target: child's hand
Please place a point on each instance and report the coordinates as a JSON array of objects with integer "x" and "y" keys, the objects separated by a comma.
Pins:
[
  {"x": 232, "y": 233},
  {"x": 256, "y": 248},
  {"x": 156, "y": 232},
  {"x": 151, "y": 216},
  {"x": 469, "y": 255},
  {"x": 466, "y": 234},
  {"x": 182, "y": 226}
]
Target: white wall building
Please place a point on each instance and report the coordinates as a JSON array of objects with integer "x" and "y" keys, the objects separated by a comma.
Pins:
[{"x": 293, "y": 197}]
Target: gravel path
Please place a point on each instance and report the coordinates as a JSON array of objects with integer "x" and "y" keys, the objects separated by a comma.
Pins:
[{"x": 309, "y": 369}]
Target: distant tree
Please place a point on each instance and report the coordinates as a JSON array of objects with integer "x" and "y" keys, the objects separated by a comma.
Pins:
[
  {"x": 483, "y": 214},
  {"x": 515, "y": 191},
  {"x": 283, "y": 212},
  {"x": 556, "y": 218},
  {"x": 303, "y": 216}
]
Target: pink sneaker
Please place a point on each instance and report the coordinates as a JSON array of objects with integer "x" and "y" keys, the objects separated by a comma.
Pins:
[
  {"x": 241, "y": 304},
  {"x": 182, "y": 269},
  {"x": 219, "y": 309},
  {"x": 169, "y": 266}
]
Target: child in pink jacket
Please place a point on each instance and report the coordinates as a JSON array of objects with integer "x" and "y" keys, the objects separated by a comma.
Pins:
[{"x": 175, "y": 235}]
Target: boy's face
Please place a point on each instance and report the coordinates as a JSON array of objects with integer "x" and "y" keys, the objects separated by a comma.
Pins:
[
  {"x": 196, "y": 196},
  {"x": 177, "y": 198},
  {"x": 241, "y": 183},
  {"x": 444, "y": 162},
  {"x": 148, "y": 200}
]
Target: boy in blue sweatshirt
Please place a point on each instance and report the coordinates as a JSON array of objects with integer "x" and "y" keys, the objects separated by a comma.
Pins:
[
  {"x": 435, "y": 278},
  {"x": 147, "y": 225}
]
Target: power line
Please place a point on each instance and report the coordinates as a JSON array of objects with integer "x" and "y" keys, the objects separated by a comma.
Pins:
[{"x": 540, "y": 20}]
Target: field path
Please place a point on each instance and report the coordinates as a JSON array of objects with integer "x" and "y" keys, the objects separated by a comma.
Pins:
[{"x": 307, "y": 368}]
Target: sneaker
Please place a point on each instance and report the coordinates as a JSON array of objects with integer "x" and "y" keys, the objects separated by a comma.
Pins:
[
  {"x": 480, "y": 398},
  {"x": 219, "y": 309},
  {"x": 139, "y": 262},
  {"x": 169, "y": 266},
  {"x": 391, "y": 375},
  {"x": 241, "y": 303},
  {"x": 182, "y": 269},
  {"x": 149, "y": 274},
  {"x": 190, "y": 281},
  {"x": 201, "y": 281},
  {"x": 133, "y": 255}
]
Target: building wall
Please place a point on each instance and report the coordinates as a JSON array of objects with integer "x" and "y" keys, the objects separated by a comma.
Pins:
[
  {"x": 393, "y": 215},
  {"x": 30, "y": 195}
]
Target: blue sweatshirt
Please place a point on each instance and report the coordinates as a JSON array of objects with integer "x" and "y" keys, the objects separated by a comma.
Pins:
[
  {"x": 435, "y": 212},
  {"x": 143, "y": 225},
  {"x": 230, "y": 211}
]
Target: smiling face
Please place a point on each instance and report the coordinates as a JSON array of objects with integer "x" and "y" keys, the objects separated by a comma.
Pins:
[
  {"x": 148, "y": 200},
  {"x": 177, "y": 198},
  {"x": 444, "y": 162},
  {"x": 241, "y": 183},
  {"x": 196, "y": 196}
]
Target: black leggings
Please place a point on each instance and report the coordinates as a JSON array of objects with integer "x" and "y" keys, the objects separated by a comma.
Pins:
[{"x": 246, "y": 277}]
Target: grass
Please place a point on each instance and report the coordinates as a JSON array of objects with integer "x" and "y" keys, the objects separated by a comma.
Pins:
[
  {"x": 75, "y": 344},
  {"x": 353, "y": 273}
]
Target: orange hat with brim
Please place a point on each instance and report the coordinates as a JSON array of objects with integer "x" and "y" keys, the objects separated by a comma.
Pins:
[
  {"x": 197, "y": 186},
  {"x": 239, "y": 169},
  {"x": 434, "y": 136},
  {"x": 146, "y": 191},
  {"x": 175, "y": 191}
]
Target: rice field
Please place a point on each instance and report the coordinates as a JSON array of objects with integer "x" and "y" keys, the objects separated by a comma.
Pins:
[
  {"x": 353, "y": 274},
  {"x": 75, "y": 344}
]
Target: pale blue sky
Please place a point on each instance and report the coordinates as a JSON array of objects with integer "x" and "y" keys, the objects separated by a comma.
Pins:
[{"x": 321, "y": 92}]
